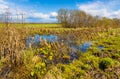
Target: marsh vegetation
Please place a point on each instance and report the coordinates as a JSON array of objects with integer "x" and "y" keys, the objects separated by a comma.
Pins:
[{"x": 54, "y": 51}]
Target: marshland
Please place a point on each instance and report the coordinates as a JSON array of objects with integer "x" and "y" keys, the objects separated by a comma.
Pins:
[{"x": 77, "y": 46}]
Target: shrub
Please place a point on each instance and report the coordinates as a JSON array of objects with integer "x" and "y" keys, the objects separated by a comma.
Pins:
[{"x": 105, "y": 63}]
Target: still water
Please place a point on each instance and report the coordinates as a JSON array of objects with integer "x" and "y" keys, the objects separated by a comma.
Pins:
[{"x": 37, "y": 39}]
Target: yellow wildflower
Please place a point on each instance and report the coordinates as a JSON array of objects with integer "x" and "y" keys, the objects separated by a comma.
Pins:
[
  {"x": 49, "y": 46},
  {"x": 35, "y": 59},
  {"x": 50, "y": 57},
  {"x": 43, "y": 64},
  {"x": 41, "y": 49}
]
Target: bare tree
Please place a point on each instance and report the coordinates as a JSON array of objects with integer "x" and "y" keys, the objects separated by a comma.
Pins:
[{"x": 75, "y": 18}]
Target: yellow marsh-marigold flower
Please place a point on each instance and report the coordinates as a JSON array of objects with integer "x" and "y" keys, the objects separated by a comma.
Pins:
[
  {"x": 41, "y": 49},
  {"x": 42, "y": 72},
  {"x": 50, "y": 57},
  {"x": 43, "y": 64},
  {"x": 49, "y": 46},
  {"x": 44, "y": 69}
]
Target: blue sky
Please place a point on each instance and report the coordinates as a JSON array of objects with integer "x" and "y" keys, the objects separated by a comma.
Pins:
[{"x": 46, "y": 10}]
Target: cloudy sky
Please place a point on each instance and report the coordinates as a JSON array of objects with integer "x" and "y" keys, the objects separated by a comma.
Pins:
[{"x": 46, "y": 10}]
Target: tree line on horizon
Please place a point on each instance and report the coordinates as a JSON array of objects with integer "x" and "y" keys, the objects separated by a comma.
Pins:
[
  {"x": 69, "y": 19},
  {"x": 78, "y": 18}
]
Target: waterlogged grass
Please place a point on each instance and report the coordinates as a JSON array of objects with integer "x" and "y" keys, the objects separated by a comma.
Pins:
[
  {"x": 33, "y": 25},
  {"x": 44, "y": 25},
  {"x": 53, "y": 60}
]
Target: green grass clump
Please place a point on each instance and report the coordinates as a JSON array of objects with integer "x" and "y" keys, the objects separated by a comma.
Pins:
[{"x": 105, "y": 63}]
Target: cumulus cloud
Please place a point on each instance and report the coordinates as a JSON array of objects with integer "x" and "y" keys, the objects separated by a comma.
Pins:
[
  {"x": 53, "y": 14},
  {"x": 40, "y": 15},
  {"x": 102, "y": 8},
  {"x": 33, "y": 16},
  {"x": 3, "y": 6},
  {"x": 43, "y": 17},
  {"x": 14, "y": 13},
  {"x": 1, "y": 0}
]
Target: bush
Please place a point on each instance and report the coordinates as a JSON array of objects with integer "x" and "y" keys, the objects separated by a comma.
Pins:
[{"x": 105, "y": 63}]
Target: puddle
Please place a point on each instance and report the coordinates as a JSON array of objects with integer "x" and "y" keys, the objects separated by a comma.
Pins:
[
  {"x": 100, "y": 48},
  {"x": 34, "y": 41},
  {"x": 84, "y": 47},
  {"x": 40, "y": 38},
  {"x": 37, "y": 39}
]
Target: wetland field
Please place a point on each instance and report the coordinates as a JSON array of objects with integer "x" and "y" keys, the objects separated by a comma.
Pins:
[
  {"x": 32, "y": 51},
  {"x": 59, "y": 39}
]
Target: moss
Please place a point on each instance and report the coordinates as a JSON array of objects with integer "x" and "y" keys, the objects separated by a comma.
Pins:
[
  {"x": 105, "y": 63},
  {"x": 90, "y": 59},
  {"x": 115, "y": 56},
  {"x": 86, "y": 67}
]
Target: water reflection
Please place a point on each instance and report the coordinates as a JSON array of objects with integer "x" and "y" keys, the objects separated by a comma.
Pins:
[
  {"x": 37, "y": 39},
  {"x": 100, "y": 48},
  {"x": 83, "y": 47},
  {"x": 40, "y": 38}
]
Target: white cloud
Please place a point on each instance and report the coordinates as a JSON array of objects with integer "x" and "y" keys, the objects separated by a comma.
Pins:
[
  {"x": 54, "y": 14},
  {"x": 115, "y": 14},
  {"x": 43, "y": 17},
  {"x": 3, "y": 6},
  {"x": 1, "y": 0},
  {"x": 103, "y": 9},
  {"x": 17, "y": 12},
  {"x": 40, "y": 15}
]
